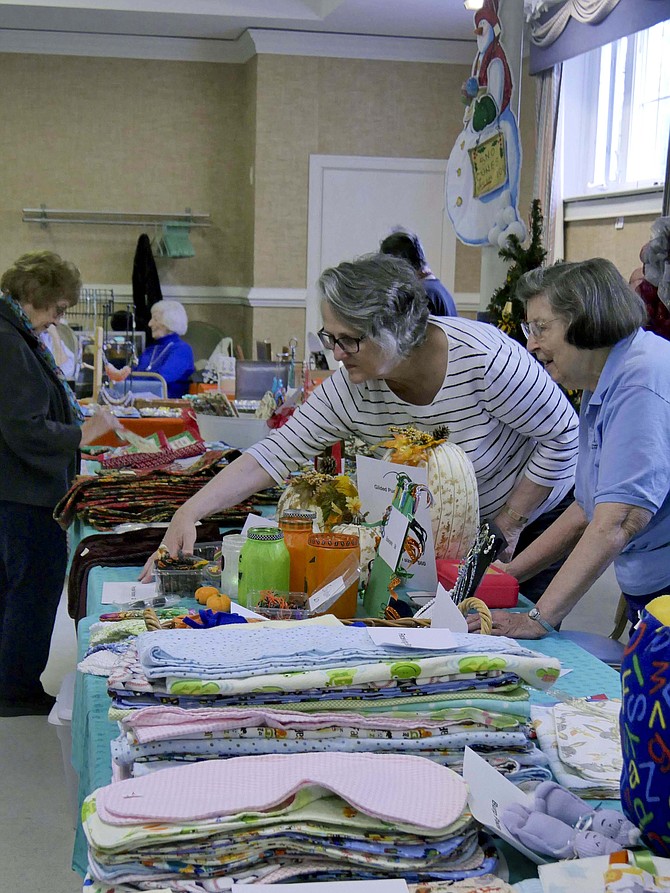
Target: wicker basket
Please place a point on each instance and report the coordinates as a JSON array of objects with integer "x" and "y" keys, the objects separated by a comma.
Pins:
[{"x": 469, "y": 604}]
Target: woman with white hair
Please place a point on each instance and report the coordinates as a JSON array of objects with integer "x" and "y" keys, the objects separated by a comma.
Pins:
[{"x": 169, "y": 356}]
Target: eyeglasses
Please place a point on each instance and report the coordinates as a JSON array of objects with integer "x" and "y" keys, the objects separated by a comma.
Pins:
[
  {"x": 347, "y": 343},
  {"x": 536, "y": 329},
  {"x": 60, "y": 310}
]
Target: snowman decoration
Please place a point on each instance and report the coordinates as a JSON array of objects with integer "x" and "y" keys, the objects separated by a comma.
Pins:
[{"x": 485, "y": 163}]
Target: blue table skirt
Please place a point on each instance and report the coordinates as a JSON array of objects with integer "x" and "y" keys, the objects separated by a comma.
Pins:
[{"x": 92, "y": 732}]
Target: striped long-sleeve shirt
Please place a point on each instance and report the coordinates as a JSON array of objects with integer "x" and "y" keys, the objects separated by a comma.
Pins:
[{"x": 499, "y": 404}]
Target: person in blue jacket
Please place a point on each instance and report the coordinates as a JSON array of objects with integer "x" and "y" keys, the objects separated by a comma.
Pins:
[
  {"x": 169, "y": 356},
  {"x": 407, "y": 246}
]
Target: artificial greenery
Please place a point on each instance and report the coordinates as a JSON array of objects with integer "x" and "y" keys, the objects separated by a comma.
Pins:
[{"x": 505, "y": 310}]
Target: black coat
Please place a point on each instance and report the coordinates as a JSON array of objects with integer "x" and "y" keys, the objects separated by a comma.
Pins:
[
  {"x": 146, "y": 285},
  {"x": 39, "y": 438}
]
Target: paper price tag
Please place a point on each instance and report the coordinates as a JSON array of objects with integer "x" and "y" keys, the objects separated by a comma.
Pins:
[
  {"x": 394, "y": 537},
  {"x": 324, "y": 597},
  {"x": 257, "y": 521},
  {"x": 419, "y": 639}
]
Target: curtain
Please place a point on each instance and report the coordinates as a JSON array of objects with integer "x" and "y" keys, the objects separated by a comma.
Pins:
[
  {"x": 548, "y": 182},
  {"x": 562, "y": 29}
]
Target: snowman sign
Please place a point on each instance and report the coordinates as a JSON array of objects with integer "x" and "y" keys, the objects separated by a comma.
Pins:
[{"x": 485, "y": 163}]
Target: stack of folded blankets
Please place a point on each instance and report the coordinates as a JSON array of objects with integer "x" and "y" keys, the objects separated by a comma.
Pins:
[
  {"x": 105, "y": 500},
  {"x": 242, "y": 690},
  {"x": 282, "y": 817},
  {"x": 582, "y": 742}
]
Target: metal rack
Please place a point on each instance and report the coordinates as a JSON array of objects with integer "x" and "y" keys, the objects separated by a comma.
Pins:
[
  {"x": 44, "y": 216},
  {"x": 94, "y": 308}
]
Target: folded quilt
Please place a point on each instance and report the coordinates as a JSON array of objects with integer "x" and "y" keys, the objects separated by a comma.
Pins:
[{"x": 422, "y": 794}]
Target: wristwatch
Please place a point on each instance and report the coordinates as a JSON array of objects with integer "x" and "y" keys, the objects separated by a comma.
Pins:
[
  {"x": 534, "y": 614},
  {"x": 517, "y": 517}
]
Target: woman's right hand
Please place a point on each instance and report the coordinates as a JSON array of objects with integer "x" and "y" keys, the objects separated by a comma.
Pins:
[
  {"x": 100, "y": 423},
  {"x": 179, "y": 537}
]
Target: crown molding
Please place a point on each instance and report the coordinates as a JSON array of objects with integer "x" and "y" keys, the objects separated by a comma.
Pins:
[
  {"x": 277, "y": 297},
  {"x": 254, "y": 41}
]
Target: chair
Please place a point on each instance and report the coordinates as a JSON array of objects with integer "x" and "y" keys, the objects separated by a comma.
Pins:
[
  {"x": 140, "y": 382},
  {"x": 203, "y": 337}
]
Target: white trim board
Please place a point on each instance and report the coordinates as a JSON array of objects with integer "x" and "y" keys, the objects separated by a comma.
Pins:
[
  {"x": 251, "y": 43},
  {"x": 604, "y": 207},
  {"x": 221, "y": 294}
]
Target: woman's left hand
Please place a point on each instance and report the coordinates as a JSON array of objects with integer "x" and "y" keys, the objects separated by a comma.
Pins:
[{"x": 509, "y": 623}]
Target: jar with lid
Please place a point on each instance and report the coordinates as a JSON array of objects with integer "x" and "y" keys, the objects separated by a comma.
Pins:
[
  {"x": 264, "y": 562},
  {"x": 297, "y": 527},
  {"x": 325, "y": 552},
  {"x": 231, "y": 546}
]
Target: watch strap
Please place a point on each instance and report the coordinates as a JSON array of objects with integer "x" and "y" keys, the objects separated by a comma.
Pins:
[
  {"x": 514, "y": 515},
  {"x": 534, "y": 614}
]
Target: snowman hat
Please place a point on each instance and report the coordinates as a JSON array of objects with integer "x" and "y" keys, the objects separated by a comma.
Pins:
[{"x": 489, "y": 13}]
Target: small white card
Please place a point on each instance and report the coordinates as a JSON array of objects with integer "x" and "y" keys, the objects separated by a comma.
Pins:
[
  {"x": 394, "y": 537},
  {"x": 328, "y": 594},
  {"x": 257, "y": 521},
  {"x": 385, "y": 886},
  {"x": 444, "y": 614},
  {"x": 419, "y": 639},
  {"x": 123, "y": 593},
  {"x": 489, "y": 793}
]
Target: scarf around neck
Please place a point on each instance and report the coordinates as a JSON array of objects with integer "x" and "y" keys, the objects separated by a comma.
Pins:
[{"x": 44, "y": 354}]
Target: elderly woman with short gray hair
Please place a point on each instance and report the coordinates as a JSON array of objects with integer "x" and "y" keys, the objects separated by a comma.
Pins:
[
  {"x": 169, "y": 356},
  {"x": 400, "y": 366},
  {"x": 584, "y": 325}
]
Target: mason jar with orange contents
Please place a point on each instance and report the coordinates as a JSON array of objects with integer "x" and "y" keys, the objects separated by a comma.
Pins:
[
  {"x": 325, "y": 552},
  {"x": 297, "y": 527}
]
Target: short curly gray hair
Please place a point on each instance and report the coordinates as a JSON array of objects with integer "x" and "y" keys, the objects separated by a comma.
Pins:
[
  {"x": 381, "y": 297},
  {"x": 172, "y": 315}
]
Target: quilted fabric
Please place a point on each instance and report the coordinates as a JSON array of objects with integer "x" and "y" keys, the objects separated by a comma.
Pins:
[{"x": 395, "y": 788}]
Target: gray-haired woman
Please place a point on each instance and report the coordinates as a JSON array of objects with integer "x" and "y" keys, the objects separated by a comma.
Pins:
[
  {"x": 584, "y": 326},
  {"x": 401, "y": 366}
]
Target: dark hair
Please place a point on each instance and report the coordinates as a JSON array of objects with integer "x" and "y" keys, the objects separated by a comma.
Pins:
[
  {"x": 121, "y": 321},
  {"x": 381, "y": 297},
  {"x": 592, "y": 296},
  {"x": 406, "y": 245},
  {"x": 42, "y": 278}
]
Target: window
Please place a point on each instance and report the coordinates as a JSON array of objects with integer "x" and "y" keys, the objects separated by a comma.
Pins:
[{"x": 616, "y": 107}]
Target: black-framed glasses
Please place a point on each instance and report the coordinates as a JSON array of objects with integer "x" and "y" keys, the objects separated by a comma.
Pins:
[
  {"x": 536, "y": 329},
  {"x": 347, "y": 343}
]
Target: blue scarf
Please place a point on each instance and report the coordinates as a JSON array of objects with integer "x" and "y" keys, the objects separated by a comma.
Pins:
[{"x": 45, "y": 355}]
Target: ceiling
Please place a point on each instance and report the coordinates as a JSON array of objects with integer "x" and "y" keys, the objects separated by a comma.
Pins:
[{"x": 211, "y": 28}]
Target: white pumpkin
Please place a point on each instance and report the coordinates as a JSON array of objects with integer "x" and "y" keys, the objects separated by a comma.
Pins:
[{"x": 451, "y": 480}]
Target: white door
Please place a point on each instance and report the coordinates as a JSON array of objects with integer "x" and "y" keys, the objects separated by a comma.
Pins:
[{"x": 355, "y": 201}]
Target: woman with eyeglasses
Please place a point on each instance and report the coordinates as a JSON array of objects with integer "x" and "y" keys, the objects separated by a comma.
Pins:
[
  {"x": 40, "y": 432},
  {"x": 400, "y": 366},
  {"x": 584, "y": 326}
]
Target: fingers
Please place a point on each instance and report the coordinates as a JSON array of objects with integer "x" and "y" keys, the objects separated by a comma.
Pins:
[{"x": 147, "y": 571}]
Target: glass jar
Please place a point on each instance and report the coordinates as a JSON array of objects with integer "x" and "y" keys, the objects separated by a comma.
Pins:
[
  {"x": 231, "y": 546},
  {"x": 264, "y": 562},
  {"x": 325, "y": 551},
  {"x": 297, "y": 526}
]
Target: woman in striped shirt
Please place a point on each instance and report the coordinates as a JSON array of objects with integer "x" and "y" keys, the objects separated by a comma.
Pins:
[{"x": 400, "y": 366}]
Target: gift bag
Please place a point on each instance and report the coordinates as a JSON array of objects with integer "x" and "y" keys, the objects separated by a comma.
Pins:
[
  {"x": 645, "y": 726},
  {"x": 403, "y": 542}
]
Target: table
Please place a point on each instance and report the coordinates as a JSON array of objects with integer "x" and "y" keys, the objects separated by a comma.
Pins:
[{"x": 92, "y": 732}]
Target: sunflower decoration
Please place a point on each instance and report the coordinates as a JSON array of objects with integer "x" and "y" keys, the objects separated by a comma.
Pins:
[
  {"x": 409, "y": 444},
  {"x": 333, "y": 497}
]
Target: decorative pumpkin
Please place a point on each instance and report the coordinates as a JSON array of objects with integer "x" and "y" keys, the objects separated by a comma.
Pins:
[
  {"x": 451, "y": 480},
  {"x": 368, "y": 538},
  {"x": 202, "y": 593},
  {"x": 218, "y": 602},
  {"x": 334, "y": 498}
]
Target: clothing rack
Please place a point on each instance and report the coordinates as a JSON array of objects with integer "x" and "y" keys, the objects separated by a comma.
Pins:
[{"x": 44, "y": 216}]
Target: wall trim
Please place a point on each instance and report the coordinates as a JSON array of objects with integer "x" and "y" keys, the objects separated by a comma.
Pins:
[
  {"x": 621, "y": 204},
  {"x": 254, "y": 41},
  {"x": 217, "y": 294},
  {"x": 467, "y": 301}
]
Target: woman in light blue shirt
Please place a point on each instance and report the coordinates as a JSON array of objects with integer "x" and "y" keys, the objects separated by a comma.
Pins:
[{"x": 584, "y": 325}]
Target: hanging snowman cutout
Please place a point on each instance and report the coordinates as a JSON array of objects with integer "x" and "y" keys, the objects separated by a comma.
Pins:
[{"x": 485, "y": 163}]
